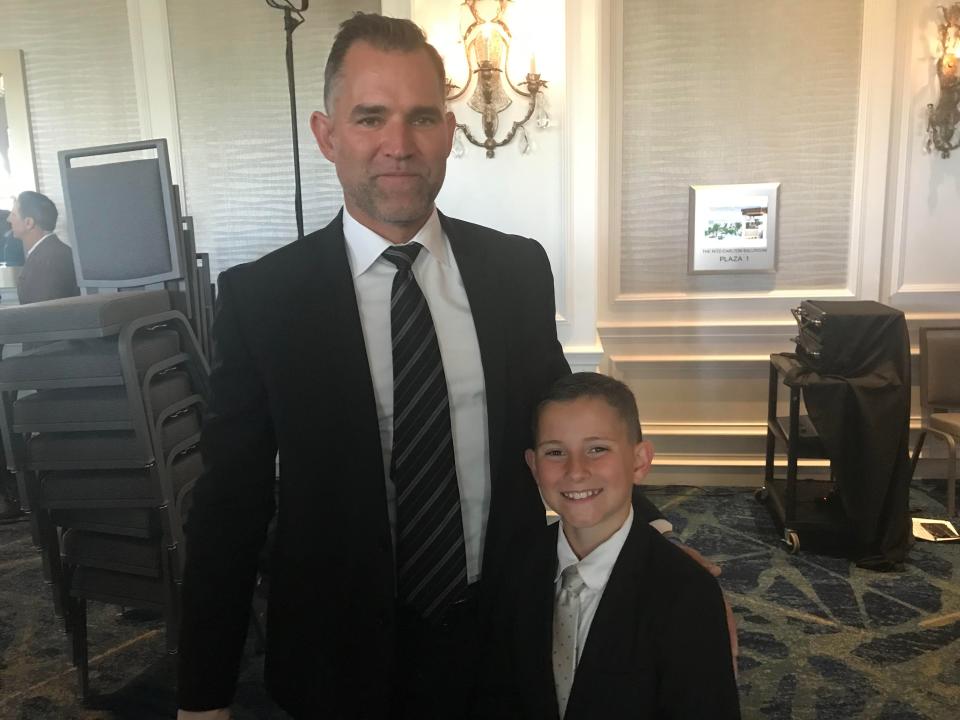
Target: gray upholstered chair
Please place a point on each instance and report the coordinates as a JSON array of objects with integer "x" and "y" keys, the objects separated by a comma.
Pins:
[
  {"x": 101, "y": 424},
  {"x": 940, "y": 398}
]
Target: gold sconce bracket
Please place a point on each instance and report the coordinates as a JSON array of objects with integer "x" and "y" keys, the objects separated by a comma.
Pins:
[
  {"x": 943, "y": 118},
  {"x": 486, "y": 44}
]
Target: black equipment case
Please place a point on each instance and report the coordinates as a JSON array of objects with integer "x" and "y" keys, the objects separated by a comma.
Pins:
[{"x": 841, "y": 337}]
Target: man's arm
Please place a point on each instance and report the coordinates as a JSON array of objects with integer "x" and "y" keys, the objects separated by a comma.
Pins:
[
  {"x": 540, "y": 311},
  {"x": 232, "y": 506}
]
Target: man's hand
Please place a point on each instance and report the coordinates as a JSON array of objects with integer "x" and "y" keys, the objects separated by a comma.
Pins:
[{"x": 221, "y": 714}]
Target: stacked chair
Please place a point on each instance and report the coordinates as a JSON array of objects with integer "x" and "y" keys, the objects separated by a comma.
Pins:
[
  {"x": 101, "y": 412},
  {"x": 940, "y": 399}
]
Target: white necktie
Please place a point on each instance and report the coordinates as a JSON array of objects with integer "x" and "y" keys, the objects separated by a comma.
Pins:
[{"x": 566, "y": 620}]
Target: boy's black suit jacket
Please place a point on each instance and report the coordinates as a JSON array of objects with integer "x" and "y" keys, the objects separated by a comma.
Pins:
[
  {"x": 290, "y": 372},
  {"x": 658, "y": 645}
]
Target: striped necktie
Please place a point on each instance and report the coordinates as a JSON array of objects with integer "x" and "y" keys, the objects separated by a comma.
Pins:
[{"x": 431, "y": 561}]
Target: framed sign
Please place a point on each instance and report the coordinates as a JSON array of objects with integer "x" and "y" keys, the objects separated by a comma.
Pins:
[{"x": 733, "y": 228}]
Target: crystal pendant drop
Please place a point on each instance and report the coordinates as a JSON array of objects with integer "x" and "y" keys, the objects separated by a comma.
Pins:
[
  {"x": 524, "y": 142},
  {"x": 543, "y": 117},
  {"x": 458, "y": 149}
]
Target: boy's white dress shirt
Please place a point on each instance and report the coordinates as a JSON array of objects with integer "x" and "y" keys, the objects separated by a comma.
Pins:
[{"x": 595, "y": 571}]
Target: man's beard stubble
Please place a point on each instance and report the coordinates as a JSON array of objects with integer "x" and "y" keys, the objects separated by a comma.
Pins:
[{"x": 386, "y": 208}]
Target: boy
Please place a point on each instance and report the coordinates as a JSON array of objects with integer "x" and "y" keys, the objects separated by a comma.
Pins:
[{"x": 600, "y": 616}]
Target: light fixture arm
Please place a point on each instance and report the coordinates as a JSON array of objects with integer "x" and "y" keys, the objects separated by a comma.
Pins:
[{"x": 490, "y": 143}]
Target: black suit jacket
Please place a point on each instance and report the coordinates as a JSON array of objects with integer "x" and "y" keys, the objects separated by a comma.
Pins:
[
  {"x": 290, "y": 372},
  {"x": 47, "y": 273},
  {"x": 657, "y": 648}
]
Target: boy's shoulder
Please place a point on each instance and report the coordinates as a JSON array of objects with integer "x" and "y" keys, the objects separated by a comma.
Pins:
[{"x": 675, "y": 573}]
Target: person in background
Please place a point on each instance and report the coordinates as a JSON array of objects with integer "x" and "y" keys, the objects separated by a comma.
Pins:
[{"x": 48, "y": 272}]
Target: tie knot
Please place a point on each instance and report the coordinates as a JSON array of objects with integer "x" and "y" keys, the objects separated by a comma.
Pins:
[
  {"x": 571, "y": 581},
  {"x": 403, "y": 255}
]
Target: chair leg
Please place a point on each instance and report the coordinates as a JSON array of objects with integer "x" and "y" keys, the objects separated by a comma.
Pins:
[
  {"x": 916, "y": 453},
  {"x": 951, "y": 476},
  {"x": 80, "y": 645},
  {"x": 171, "y": 601}
]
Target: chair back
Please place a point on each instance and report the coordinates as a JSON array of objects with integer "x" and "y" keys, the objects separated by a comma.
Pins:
[
  {"x": 939, "y": 369},
  {"x": 122, "y": 215}
]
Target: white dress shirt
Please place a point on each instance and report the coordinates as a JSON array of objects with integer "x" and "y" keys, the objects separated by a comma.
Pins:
[
  {"x": 439, "y": 278},
  {"x": 594, "y": 570}
]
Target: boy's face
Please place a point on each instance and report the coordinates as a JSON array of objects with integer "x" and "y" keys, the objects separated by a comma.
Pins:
[{"x": 586, "y": 466}]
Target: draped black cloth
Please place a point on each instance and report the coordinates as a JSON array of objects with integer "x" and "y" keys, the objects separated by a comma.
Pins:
[{"x": 861, "y": 412}]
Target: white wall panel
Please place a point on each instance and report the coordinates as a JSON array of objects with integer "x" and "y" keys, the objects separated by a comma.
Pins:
[
  {"x": 924, "y": 272},
  {"x": 752, "y": 91}
]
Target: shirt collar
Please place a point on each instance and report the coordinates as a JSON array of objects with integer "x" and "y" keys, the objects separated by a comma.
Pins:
[
  {"x": 37, "y": 244},
  {"x": 596, "y": 567},
  {"x": 364, "y": 246}
]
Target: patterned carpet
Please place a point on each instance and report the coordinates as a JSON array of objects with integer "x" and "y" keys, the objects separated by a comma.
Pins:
[{"x": 819, "y": 638}]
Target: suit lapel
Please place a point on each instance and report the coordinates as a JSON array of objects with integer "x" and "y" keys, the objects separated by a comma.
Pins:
[
  {"x": 482, "y": 285},
  {"x": 612, "y": 641},
  {"x": 330, "y": 318}
]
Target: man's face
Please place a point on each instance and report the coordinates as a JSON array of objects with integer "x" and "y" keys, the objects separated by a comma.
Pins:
[
  {"x": 389, "y": 135},
  {"x": 586, "y": 466},
  {"x": 17, "y": 224}
]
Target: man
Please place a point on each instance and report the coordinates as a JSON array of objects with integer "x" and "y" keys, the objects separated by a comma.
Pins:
[
  {"x": 376, "y": 604},
  {"x": 48, "y": 272},
  {"x": 47, "y": 275}
]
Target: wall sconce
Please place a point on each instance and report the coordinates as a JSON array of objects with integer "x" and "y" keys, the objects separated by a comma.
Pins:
[
  {"x": 942, "y": 119},
  {"x": 486, "y": 44}
]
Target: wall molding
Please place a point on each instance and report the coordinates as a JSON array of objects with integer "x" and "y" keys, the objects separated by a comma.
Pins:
[
  {"x": 878, "y": 42},
  {"x": 154, "y": 78},
  {"x": 906, "y": 140},
  {"x": 579, "y": 167},
  {"x": 583, "y": 359}
]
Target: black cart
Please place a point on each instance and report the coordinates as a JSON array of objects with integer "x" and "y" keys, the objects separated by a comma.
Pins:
[
  {"x": 800, "y": 507},
  {"x": 852, "y": 373}
]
